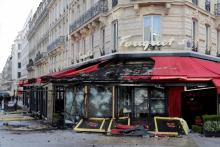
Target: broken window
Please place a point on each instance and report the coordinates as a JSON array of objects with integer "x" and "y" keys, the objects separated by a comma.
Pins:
[
  {"x": 158, "y": 101},
  {"x": 141, "y": 102},
  {"x": 100, "y": 101},
  {"x": 74, "y": 104}
]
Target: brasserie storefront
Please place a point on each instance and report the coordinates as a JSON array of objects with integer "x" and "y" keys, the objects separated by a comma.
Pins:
[{"x": 137, "y": 86}]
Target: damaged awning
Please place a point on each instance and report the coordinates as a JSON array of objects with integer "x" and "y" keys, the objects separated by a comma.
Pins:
[{"x": 145, "y": 69}]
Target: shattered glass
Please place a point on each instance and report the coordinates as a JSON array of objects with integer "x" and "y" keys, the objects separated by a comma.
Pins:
[
  {"x": 141, "y": 101},
  {"x": 100, "y": 101}
]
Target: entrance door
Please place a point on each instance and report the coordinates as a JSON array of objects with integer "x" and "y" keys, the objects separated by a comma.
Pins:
[
  {"x": 133, "y": 102},
  {"x": 141, "y": 103},
  {"x": 197, "y": 103}
]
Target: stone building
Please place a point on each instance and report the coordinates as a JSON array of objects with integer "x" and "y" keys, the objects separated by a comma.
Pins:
[{"x": 108, "y": 58}]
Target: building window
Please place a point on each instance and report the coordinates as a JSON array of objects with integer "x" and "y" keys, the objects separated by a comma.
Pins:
[
  {"x": 19, "y": 74},
  {"x": 19, "y": 46},
  {"x": 114, "y": 3},
  {"x": 208, "y": 36},
  {"x": 218, "y": 42},
  {"x": 115, "y": 36},
  {"x": 84, "y": 6},
  {"x": 194, "y": 35},
  {"x": 19, "y": 64},
  {"x": 92, "y": 42},
  {"x": 102, "y": 41},
  {"x": 195, "y": 2},
  {"x": 207, "y": 5},
  {"x": 83, "y": 46},
  {"x": 152, "y": 28}
]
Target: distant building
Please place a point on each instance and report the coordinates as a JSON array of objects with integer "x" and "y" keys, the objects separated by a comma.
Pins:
[
  {"x": 16, "y": 62},
  {"x": 25, "y": 48},
  {"x": 7, "y": 76}
]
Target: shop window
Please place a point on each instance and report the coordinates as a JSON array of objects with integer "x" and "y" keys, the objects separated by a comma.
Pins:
[
  {"x": 158, "y": 101},
  {"x": 141, "y": 102},
  {"x": 124, "y": 101},
  {"x": 69, "y": 104},
  {"x": 100, "y": 101},
  {"x": 152, "y": 28},
  {"x": 74, "y": 105}
]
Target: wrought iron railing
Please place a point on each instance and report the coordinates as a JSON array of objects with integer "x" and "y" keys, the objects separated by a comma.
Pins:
[
  {"x": 56, "y": 43},
  {"x": 39, "y": 56},
  {"x": 30, "y": 64},
  {"x": 217, "y": 9},
  {"x": 100, "y": 7}
]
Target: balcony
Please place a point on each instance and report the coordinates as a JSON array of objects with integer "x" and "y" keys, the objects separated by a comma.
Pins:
[
  {"x": 100, "y": 7},
  {"x": 30, "y": 65},
  {"x": 39, "y": 58},
  {"x": 217, "y": 9},
  {"x": 59, "y": 42}
]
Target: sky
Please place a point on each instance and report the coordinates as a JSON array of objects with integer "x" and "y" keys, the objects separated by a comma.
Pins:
[{"x": 13, "y": 14}]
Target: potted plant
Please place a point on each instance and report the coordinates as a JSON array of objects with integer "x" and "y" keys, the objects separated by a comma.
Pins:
[{"x": 211, "y": 127}]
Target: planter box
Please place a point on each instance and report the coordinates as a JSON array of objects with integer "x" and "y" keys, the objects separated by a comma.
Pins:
[{"x": 211, "y": 134}]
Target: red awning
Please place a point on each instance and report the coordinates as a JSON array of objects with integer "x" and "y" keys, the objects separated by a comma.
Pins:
[
  {"x": 21, "y": 83},
  {"x": 186, "y": 68},
  {"x": 61, "y": 73},
  {"x": 84, "y": 70}
]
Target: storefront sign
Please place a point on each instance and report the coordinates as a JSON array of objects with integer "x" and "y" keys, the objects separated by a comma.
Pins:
[
  {"x": 146, "y": 44},
  {"x": 128, "y": 42}
]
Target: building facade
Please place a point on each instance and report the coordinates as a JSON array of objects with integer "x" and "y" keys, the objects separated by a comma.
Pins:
[
  {"x": 67, "y": 32},
  {"x": 102, "y": 58},
  {"x": 7, "y": 76},
  {"x": 16, "y": 62},
  {"x": 25, "y": 48}
]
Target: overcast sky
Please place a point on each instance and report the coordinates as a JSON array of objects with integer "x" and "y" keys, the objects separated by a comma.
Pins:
[{"x": 13, "y": 14}]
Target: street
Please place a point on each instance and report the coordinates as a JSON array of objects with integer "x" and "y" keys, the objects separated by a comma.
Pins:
[
  {"x": 68, "y": 138},
  {"x": 37, "y": 133}
]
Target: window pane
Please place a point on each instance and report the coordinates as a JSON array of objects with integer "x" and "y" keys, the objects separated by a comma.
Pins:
[
  {"x": 147, "y": 28},
  {"x": 100, "y": 101},
  {"x": 141, "y": 102},
  {"x": 157, "y": 106},
  {"x": 156, "y": 28}
]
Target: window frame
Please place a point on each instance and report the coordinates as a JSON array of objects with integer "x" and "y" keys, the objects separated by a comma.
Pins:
[
  {"x": 151, "y": 28},
  {"x": 115, "y": 35}
]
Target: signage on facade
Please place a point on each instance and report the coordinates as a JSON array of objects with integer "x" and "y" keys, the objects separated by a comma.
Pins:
[
  {"x": 126, "y": 42},
  {"x": 146, "y": 44}
]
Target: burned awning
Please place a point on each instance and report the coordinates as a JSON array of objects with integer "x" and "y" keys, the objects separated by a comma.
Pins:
[{"x": 146, "y": 69}]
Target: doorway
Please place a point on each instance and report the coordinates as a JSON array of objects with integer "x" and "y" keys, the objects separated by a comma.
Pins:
[
  {"x": 196, "y": 103},
  {"x": 141, "y": 104}
]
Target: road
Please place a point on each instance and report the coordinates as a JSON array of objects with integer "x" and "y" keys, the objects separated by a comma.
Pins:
[{"x": 69, "y": 138}]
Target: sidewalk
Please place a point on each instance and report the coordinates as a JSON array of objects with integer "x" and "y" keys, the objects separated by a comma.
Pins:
[{"x": 205, "y": 141}]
